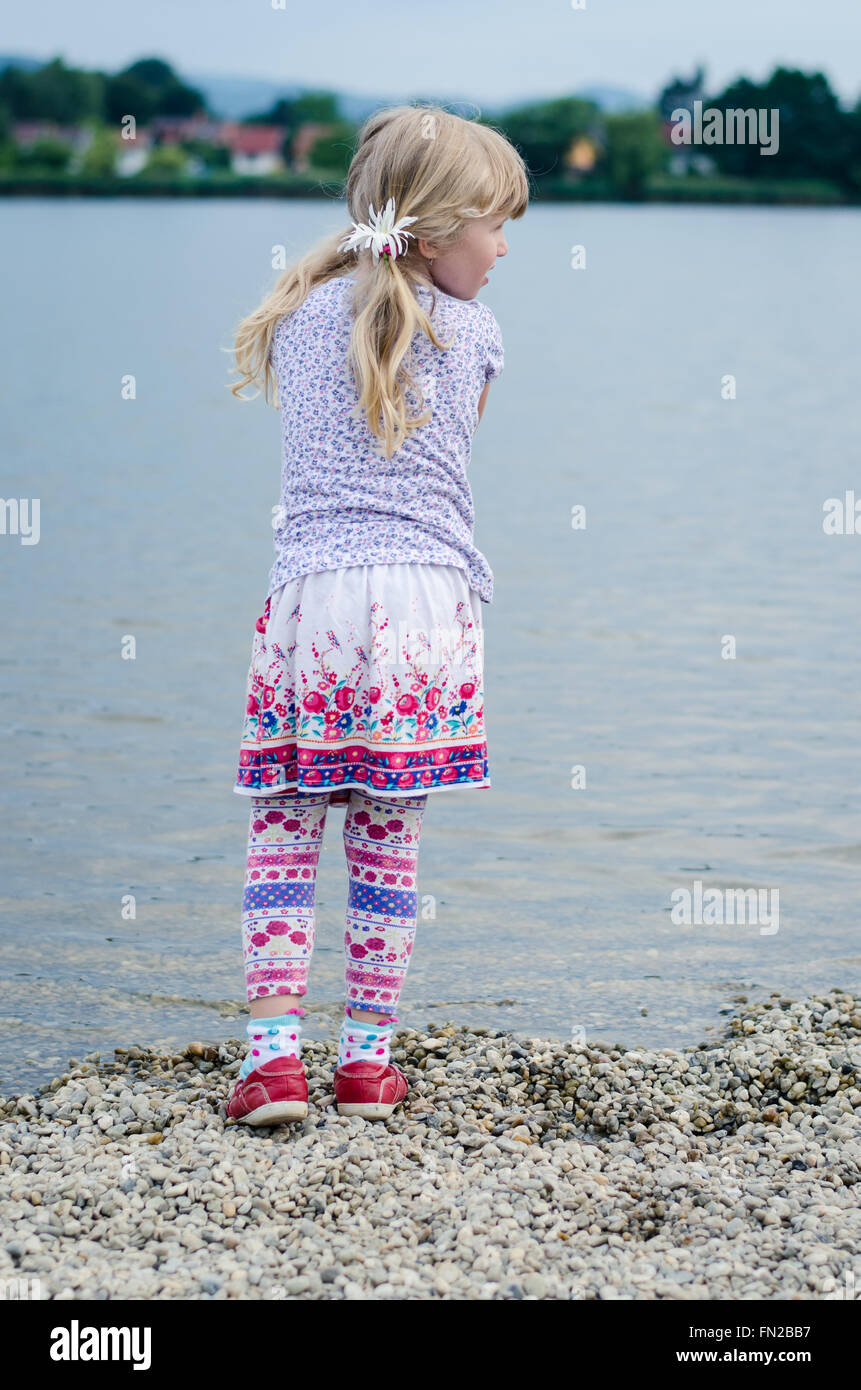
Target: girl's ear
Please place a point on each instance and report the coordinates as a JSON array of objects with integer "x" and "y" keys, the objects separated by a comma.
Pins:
[{"x": 426, "y": 248}]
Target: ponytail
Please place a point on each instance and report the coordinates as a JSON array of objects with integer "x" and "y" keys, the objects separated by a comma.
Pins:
[
  {"x": 253, "y": 341},
  {"x": 387, "y": 316}
]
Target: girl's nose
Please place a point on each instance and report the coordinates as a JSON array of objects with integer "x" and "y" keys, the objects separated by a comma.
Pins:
[{"x": 502, "y": 248}]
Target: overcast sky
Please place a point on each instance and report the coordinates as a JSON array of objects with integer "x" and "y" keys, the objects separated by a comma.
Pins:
[{"x": 483, "y": 51}]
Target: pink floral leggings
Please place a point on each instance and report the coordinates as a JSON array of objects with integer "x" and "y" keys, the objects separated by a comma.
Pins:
[{"x": 381, "y": 840}]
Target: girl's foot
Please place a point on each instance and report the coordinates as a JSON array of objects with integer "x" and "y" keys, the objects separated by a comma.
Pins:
[
  {"x": 271, "y": 1086},
  {"x": 271, "y": 1094},
  {"x": 369, "y": 1089},
  {"x": 366, "y": 1082}
]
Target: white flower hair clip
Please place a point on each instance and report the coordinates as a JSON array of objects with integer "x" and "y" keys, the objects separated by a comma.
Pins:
[{"x": 384, "y": 236}]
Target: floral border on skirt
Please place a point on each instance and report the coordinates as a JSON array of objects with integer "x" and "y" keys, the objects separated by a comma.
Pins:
[{"x": 326, "y": 710}]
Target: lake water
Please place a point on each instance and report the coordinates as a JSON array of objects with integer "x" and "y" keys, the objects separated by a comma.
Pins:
[{"x": 603, "y": 645}]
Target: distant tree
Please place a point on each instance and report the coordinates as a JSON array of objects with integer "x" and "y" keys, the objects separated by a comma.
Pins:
[
  {"x": 51, "y": 93},
  {"x": 69, "y": 96},
  {"x": 279, "y": 113},
  {"x": 165, "y": 162},
  {"x": 49, "y": 155},
  {"x": 634, "y": 150},
  {"x": 334, "y": 151},
  {"x": 99, "y": 158},
  {"x": 814, "y": 134},
  {"x": 148, "y": 88},
  {"x": 681, "y": 93},
  {"x": 213, "y": 156},
  {"x": 543, "y": 132},
  {"x": 16, "y": 94},
  {"x": 180, "y": 100},
  {"x": 128, "y": 96},
  {"x": 153, "y": 72},
  {"x": 320, "y": 107},
  {"x": 852, "y": 173}
]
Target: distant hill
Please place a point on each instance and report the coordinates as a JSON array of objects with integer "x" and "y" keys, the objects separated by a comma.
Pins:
[
  {"x": 233, "y": 98},
  {"x": 615, "y": 99},
  {"x": 9, "y": 60}
]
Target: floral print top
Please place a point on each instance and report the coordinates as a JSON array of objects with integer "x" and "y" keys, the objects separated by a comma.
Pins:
[{"x": 342, "y": 503}]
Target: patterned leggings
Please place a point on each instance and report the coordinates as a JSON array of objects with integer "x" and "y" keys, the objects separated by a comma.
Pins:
[{"x": 381, "y": 840}]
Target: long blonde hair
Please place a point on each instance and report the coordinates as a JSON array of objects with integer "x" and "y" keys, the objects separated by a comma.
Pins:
[{"x": 439, "y": 168}]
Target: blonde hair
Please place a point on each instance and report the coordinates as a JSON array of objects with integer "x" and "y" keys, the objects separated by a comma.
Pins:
[{"x": 439, "y": 168}]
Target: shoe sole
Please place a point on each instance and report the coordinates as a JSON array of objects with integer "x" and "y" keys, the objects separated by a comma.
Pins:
[
  {"x": 366, "y": 1111},
  {"x": 276, "y": 1113}
]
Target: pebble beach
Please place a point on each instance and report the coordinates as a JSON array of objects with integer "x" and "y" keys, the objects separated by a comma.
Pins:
[{"x": 518, "y": 1168}]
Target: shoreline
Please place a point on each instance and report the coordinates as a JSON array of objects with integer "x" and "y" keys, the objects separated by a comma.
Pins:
[
  {"x": 516, "y": 1168},
  {"x": 697, "y": 192}
]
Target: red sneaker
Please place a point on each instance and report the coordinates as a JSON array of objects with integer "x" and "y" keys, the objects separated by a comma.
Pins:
[
  {"x": 271, "y": 1094},
  {"x": 369, "y": 1089}
]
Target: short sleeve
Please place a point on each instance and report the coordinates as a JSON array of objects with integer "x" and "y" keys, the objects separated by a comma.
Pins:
[{"x": 494, "y": 355}]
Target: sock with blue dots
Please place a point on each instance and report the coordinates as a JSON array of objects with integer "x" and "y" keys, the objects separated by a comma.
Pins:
[
  {"x": 363, "y": 1041},
  {"x": 269, "y": 1038}
]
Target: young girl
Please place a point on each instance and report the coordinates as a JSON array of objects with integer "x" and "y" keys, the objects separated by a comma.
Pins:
[{"x": 366, "y": 680}]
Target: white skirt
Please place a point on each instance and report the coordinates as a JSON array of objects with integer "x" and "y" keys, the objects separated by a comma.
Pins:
[{"x": 369, "y": 676}]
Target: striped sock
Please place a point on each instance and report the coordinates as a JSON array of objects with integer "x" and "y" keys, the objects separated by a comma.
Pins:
[
  {"x": 269, "y": 1038},
  {"x": 363, "y": 1041}
]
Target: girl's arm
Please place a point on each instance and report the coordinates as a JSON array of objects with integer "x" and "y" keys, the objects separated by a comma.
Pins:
[{"x": 483, "y": 398}]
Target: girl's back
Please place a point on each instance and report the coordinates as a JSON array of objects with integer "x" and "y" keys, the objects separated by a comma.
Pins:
[{"x": 342, "y": 501}]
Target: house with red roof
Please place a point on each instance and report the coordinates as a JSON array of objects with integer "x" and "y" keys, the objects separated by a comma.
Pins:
[{"x": 254, "y": 149}]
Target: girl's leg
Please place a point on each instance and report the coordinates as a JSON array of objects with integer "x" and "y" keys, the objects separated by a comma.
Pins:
[
  {"x": 381, "y": 840},
  {"x": 284, "y": 839}
]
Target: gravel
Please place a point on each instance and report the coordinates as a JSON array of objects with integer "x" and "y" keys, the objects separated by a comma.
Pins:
[{"x": 517, "y": 1169}]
